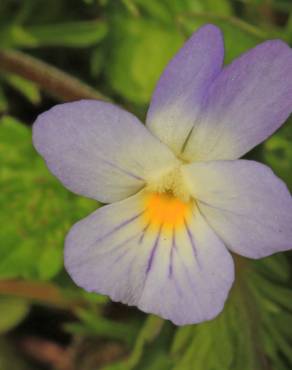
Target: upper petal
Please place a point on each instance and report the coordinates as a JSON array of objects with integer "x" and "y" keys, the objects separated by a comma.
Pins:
[
  {"x": 183, "y": 275},
  {"x": 99, "y": 150},
  {"x": 245, "y": 203},
  {"x": 247, "y": 102},
  {"x": 181, "y": 89}
]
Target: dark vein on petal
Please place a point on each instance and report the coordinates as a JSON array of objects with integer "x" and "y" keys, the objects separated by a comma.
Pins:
[
  {"x": 123, "y": 170},
  {"x": 153, "y": 250},
  {"x": 143, "y": 233},
  {"x": 105, "y": 252},
  {"x": 120, "y": 226},
  {"x": 220, "y": 208},
  {"x": 174, "y": 279},
  {"x": 173, "y": 246},
  {"x": 193, "y": 244},
  {"x": 191, "y": 282}
]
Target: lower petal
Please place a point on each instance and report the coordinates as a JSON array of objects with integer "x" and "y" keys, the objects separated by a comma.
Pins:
[{"x": 182, "y": 273}]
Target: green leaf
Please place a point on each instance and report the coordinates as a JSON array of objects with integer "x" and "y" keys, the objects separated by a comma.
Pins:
[
  {"x": 275, "y": 292},
  {"x": 181, "y": 339},
  {"x": 36, "y": 210},
  {"x": 277, "y": 153},
  {"x": 167, "y": 11},
  {"x": 158, "y": 10},
  {"x": 3, "y": 101},
  {"x": 238, "y": 35},
  {"x": 94, "y": 325},
  {"x": 14, "y": 35},
  {"x": 276, "y": 266},
  {"x": 139, "y": 52},
  {"x": 27, "y": 88},
  {"x": 226, "y": 342},
  {"x": 12, "y": 312},
  {"x": 73, "y": 34}
]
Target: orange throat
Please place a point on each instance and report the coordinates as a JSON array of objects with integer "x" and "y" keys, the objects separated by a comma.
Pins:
[{"x": 166, "y": 211}]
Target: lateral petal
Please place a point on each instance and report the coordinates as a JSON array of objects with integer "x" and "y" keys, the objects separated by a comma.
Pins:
[
  {"x": 245, "y": 203},
  {"x": 99, "y": 150}
]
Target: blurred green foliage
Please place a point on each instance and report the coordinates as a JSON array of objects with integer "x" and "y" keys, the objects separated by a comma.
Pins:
[
  {"x": 119, "y": 48},
  {"x": 41, "y": 209}
]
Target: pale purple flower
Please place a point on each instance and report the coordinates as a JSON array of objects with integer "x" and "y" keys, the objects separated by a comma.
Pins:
[{"x": 180, "y": 199}]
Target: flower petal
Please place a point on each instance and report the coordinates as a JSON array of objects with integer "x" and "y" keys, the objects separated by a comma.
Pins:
[
  {"x": 248, "y": 101},
  {"x": 181, "y": 89},
  {"x": 245, "y": 203},
  {"x": 98, "y": 150},
  {"x": 183, "y": 276}
]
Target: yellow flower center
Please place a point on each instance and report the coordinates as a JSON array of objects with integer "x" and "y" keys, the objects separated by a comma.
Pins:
[
  {"x": 163, "y": 210},
  {"x": 168, "y": 202}
]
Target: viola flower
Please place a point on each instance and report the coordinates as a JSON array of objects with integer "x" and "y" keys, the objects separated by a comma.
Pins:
[{"x": 180, "y": 199}]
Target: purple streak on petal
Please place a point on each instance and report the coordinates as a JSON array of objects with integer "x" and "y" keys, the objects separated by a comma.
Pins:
[
  {"x": 120, "y": 226},
  {"x": 173, "y": 246},
  {"x": 120, "y": 257},
  {"x": 153, "y": 250},
  {"x": 143, "y": 233},
  {"x": 88, "y": 258},
  {"x": 123, "y": 170},
  {"x": 189, "y": 278},
  {"x": 192, "y": 241},
  {"x": 171, "y": 274}
]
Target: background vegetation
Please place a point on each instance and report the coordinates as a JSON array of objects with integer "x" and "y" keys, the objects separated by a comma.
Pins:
[{"x": 117, "y": 48}]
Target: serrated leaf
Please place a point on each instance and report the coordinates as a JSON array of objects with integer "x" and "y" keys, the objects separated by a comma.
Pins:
[{"x": 36, "y": 210}]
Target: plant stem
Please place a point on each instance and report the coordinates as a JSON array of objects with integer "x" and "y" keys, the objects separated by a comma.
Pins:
[
  {"x": 49, "y": 78},
  {"x": 41, "y": 292}
]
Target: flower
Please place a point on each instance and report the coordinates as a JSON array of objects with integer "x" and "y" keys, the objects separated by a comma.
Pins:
[{"x": 180, "y": 199}]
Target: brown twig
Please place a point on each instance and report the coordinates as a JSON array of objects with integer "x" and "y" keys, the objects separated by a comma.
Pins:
[
  {"x": 49, "y": 78},
  {"x": 41, "y": 292}
]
